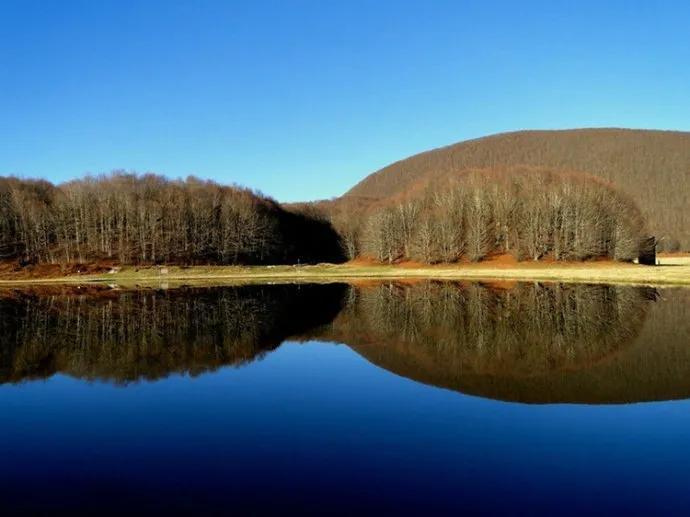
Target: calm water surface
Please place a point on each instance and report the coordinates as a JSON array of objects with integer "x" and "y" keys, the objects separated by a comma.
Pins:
[{"x": 432, "y": 398}]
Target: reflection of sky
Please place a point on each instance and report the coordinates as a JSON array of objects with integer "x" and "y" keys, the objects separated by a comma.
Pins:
[{"x": 312, "y": 423}]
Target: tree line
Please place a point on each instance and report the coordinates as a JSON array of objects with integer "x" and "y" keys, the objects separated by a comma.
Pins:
[
  {"x": 532, "y": 213},
  {"x": 149, "y": 219}
]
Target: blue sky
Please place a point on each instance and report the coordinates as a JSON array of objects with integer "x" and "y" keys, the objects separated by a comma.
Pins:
[{"x": 302, "y": 99}]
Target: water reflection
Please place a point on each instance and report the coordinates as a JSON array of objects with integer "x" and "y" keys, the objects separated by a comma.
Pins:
[
  {"x": 523, "y": 342},
  {"x": 529, "y": 342},
  {"x": 147, "y": 334}
]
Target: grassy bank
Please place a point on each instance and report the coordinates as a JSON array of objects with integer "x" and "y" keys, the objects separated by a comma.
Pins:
[{"x": 673, "y": 270}]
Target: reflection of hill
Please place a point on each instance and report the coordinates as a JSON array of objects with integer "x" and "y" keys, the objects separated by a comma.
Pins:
[
  {"x": 124, "y": 336},
  {"x": 530, "y": 343},
  {"x": 533, "y": 343},
  {"x": 473, "y": 329}
]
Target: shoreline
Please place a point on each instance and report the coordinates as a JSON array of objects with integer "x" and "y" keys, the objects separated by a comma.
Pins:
[{"x": 674, "y": 270}]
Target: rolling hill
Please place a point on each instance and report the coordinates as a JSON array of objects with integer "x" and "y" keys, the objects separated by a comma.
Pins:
[{"x": 653, "y": 167}]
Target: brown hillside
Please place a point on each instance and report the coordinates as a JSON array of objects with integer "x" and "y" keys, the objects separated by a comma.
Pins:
[{"x": 651, "y": 166}]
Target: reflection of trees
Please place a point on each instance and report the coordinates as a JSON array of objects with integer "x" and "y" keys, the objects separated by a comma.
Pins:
[
  {"x": 125, "y": 336},
  {"x": 528, "y": 342},
  {"x": 523, "y": 331}
]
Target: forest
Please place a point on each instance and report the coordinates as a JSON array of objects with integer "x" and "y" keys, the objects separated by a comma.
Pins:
[
  {"x": 149, "y": 219},
  {"x": 532, "y": 213}
]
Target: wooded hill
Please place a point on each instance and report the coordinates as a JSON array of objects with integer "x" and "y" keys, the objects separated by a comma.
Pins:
[
  {"x": 561, "y": 195},
  {"x": 531, "y": 213},
  {"x": 652, "y": 167}
]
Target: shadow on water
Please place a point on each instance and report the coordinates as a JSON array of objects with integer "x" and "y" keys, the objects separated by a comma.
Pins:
[{"x": 533, "y": 343}]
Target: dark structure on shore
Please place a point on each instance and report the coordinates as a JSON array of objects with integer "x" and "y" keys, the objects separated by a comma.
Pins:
[{"x": 648, "y": 252}]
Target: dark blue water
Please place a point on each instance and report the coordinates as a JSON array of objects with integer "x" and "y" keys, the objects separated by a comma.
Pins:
[{"x": 314, "y": 427}]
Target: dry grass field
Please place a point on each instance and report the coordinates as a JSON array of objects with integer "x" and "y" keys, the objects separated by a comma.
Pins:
[{"x": 673, "y": 270}]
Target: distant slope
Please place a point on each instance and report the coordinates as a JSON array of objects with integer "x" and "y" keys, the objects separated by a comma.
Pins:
[{"x": 651, "y": 166}]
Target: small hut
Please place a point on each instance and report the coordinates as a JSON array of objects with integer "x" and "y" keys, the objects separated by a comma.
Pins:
[{"x": 648, "y": 251}]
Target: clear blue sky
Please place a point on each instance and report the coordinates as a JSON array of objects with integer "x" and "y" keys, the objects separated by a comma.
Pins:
[{"x": 301, "y": 99}]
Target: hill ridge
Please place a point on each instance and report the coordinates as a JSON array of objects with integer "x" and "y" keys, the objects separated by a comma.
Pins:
[{"x": 651, "y": 165}]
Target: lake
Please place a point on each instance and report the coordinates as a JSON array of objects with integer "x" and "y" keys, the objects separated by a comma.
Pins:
[{"x": 428, "y": 398}]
